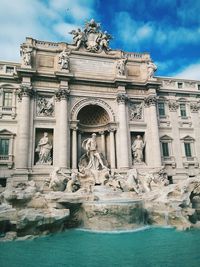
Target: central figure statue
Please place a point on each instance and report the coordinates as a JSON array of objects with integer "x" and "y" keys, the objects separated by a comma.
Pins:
[{"x": 95, "y": 161}]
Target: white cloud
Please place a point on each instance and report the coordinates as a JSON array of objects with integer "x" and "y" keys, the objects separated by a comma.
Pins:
[
  {"x": 166, "y": 37},
  {"x": 190, "y": 72},
  {"x": 44, "y": 20}
]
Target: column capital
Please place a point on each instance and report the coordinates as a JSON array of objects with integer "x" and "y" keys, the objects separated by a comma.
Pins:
[
  {"x": 62, "y": 93},
  {"x": 101, "y": 132},
  {"x": 25, "y": 90},
  {"x": 74, "y": 128},
  {"x": 112, "y": 130},
  {"x": 122, "y": 98},
  {"x": 150, "y": 100}
]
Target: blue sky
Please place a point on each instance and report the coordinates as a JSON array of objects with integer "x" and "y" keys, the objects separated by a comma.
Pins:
[{"x": 168, "y": 29}]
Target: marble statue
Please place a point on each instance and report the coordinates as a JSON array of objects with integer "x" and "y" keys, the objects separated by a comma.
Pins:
[
  {"x": 95, "y": 160},
  {"x": 73, "y": 183},
  {"x": 103, "y": 40},
  {"x": 92, "y": 39},
  {"x": 121, "y": 67},
  {"x": 78, "y": 37},
  {"x": 58, "y": 183},
  {"x": 63, "y": 60},
  {"x": 151, "y": 69},
  {"x": 45, "y": 106},
  {"x": 137, "y": 149},
  {"x": 26, "y": 53},
  {"x": 44, "y": 148}
]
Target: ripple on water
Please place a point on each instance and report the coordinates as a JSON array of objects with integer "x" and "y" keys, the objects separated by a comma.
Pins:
[{"x": 144, "y": 247}]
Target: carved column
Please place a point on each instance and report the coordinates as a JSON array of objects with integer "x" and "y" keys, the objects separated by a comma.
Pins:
[
  {"x": 103, "y": 142},
  {"x": 123, "y": 131},
  {"x": 112, "y": 148},
  {"x": 153, "y": 141},
  {"x": 24, "y": 94},
  {"x": 74, "y": 147},
  {"x": 64, "y": 133}
]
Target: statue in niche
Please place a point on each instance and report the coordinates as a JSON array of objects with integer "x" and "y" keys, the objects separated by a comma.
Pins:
[
  {"x": 45, "y": 106},
  {"x": 94, "y": 158},
  {"x": 121, "y": 67},
  {"x": 63, "y": 60},
  {"x": 44, "y": 148},
  {"x": 151, "y": 67},
  {"x": 137, "y": 149},
  {"x": 26, "y": 53}
]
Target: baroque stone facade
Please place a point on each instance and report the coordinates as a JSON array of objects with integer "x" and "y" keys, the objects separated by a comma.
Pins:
[{"x": 62, "y": 93}]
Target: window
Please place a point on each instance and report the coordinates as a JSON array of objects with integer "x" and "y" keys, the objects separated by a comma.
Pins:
[
  {"x": 183, "y": 110},
  {"x": 161, "y": 109},
  {"x": 7, "y": 99},
  {"x": 199, "y": 87},
  {"x": 180, "y": 85},
  {"x": 165, "y": 149},
  {"x": 9, "y": 69},
  {"x": 4, "y": 146},
  {"x": 188, "y": 152}
]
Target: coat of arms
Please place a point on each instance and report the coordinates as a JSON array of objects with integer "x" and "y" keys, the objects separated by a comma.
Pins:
[{"x": 91, "y": 38}]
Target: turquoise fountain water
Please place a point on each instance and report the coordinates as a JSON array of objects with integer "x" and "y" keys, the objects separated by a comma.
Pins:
[{"x": 153, "y": 247}]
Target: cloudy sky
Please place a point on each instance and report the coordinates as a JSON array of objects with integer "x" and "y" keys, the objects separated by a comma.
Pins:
[{"x": 168, "y": 29}]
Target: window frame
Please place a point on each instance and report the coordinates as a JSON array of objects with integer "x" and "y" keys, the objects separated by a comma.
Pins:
[
  {"x": 9, "y": 158},
  {"x": 163, "y": 109}
]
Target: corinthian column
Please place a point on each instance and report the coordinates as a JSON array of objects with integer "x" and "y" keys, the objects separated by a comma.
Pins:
[
  {"x": 153, "y": 141},
  {"x": 112, "y": 149},
  {"x": 74, "y": 147},
  {"x": 123, "y": 131},
  {"x": 64, "y": 133},
  {"x": 24, "y": 94},
  {"x": 103, "y": 143}
]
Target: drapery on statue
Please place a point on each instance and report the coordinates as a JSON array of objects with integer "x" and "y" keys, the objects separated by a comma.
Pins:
[
  {"x": 137, "y": 149},
  {"x": 63, "y": 60},
  {"x": 26, "y": 53},
  {"x": 121, "y": 67},
  {"x": 151, "y": 69},
  {"x": 78, "y": 37},
  {"x": 44, "y": 148},
  {"x": 94, "y": 157}
]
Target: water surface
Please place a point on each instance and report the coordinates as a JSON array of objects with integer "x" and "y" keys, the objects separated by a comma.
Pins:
[{"x": 152, "y": 247}]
